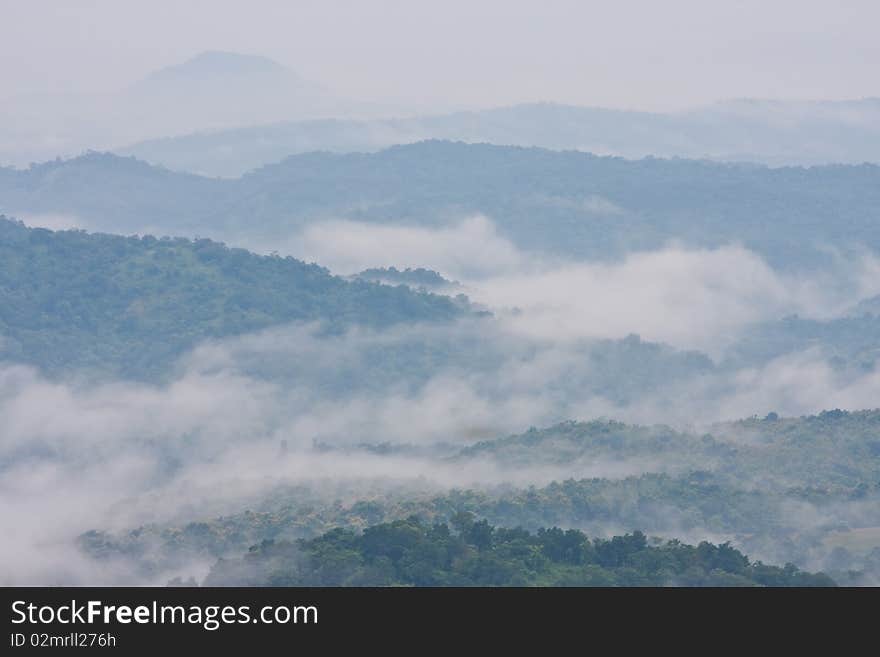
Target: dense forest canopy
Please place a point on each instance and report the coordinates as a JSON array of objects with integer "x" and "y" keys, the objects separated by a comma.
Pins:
[{"x": 475, "y": 553}]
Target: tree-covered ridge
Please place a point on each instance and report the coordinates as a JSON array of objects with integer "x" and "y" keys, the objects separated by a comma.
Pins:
[
  {"x": 571, "y": 440},
  {"x": 129, "y": 306},
  {"x": 693, "y": 505},
  {"x": 473, "y": 552},
  {"x": 696, "y": 502},
  {"x": 832, "y": 449},
  {"x": 787, "y": 489},
  {"x": 589, "y": 206}
]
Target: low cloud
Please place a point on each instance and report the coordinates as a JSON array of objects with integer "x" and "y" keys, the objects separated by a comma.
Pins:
[
  {"x": 472, "y": 248},
  {"x": 693, "y": 298},
  {"x": 698, "y": 299},
  {"x": 77, "y": 455},
  {"x": 119, "y": 455}
]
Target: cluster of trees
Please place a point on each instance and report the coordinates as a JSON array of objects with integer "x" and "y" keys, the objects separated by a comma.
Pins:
[
  {"x": 473, "y": 552},
  {"x": 130, "y": 306},
  {"x": 418, "y": 277}
]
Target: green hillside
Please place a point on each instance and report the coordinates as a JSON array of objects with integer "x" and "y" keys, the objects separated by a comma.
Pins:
[{"x": 131, "y": 305}]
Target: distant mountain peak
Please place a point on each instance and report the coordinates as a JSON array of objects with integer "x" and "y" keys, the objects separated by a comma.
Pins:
[{"x": 218, "y": 63}]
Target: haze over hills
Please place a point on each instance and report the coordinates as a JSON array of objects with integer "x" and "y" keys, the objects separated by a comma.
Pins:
[
  {"x": 456, "y": 294},
  {"x": 790, "y": 490},
  {"x": 214, "y": 66},
  {"x": 205, "y": 400},
  {"x": 223, "y": 113},
  {"x": 776, "y": 133},
  {"x": 212, "y": 90},
  {"x": 564, "y": 203},
  {"x": 221, "y": 89}
]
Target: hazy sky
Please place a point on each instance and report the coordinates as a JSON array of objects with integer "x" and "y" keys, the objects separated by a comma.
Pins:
[{"x": 626, "y": 53}]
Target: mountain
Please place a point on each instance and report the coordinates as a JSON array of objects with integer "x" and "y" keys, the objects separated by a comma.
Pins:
[
  {"x": 216, "y": 65},
  {"x": 223, "y": 114},
  {"x": 772, "y": 132},
  {"x": 221, "y": 89},
  {"x": 130, "y": 306},
  {"x": 210, "y": 91},
  {"x": 567, "y": 203}
]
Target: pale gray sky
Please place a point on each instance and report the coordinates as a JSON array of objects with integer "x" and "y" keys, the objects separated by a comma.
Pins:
[{"x": 625, "y": 53}]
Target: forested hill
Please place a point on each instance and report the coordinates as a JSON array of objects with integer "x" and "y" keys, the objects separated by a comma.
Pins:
[
  {"x": 474, "y": 553},
  {"x": 129, "y": 306},
  {"x": 834, "y": 448},
  {"x": 104, "y": 185},
  {"x": 572, "y": 203}
]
